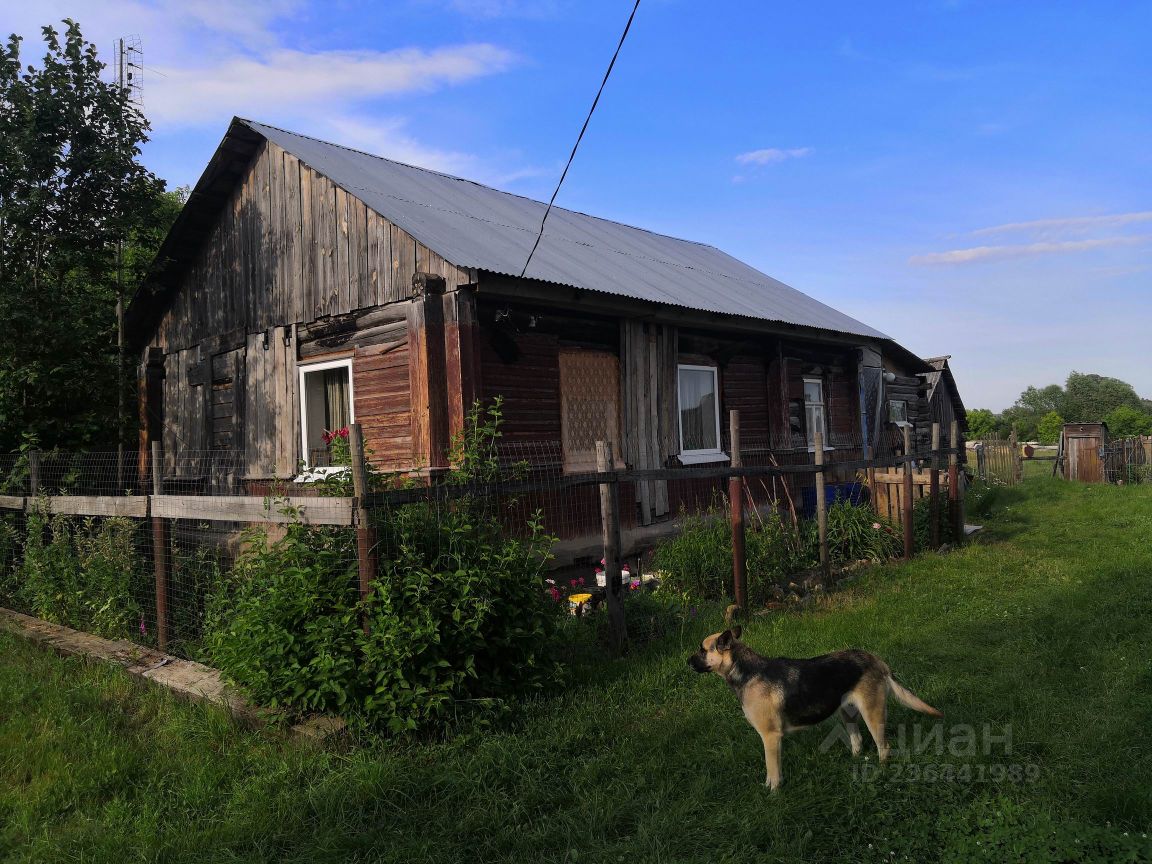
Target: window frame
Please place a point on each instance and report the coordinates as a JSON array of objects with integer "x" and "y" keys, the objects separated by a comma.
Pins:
[
  {"x": 717, "y": 454},
  {"x": 899, "y": 423},
  {"x": 809, "y": 432},
  {"x": 319, "y": 472}
]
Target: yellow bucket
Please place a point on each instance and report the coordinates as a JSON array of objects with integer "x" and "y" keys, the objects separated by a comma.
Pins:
[{"x": 578, "y": 602}]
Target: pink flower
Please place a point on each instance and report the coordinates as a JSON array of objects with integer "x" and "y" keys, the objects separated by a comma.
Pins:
[
  {"x": 875, "y": 526},
  {"x": 554, "y": 592},
  {"x": 143, "y": 629}
]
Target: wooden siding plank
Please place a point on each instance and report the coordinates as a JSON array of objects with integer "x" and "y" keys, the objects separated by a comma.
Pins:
[
  {"x": 403, "y": 251},
  {"x": 308, "y": 250},
  {"x": 344, "y": 271},
  {"x": 360, "y": 289},
  {"x": 323, "y": 213},
  {"x": 253, "y": 508}
]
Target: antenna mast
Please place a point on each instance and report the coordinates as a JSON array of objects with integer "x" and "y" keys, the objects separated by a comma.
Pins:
[{"x": 129, "y": 75}]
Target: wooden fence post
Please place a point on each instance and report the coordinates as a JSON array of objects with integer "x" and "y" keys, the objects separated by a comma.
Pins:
[
  {"x": 909, "y": 537},
  {"x": 610, "y": 528},
  {"x": 365, "y": 533},
  {"x": 736, "y": 505},
  {"x": 955, "y": 508},
  {"x": 1014, "y": 451},
  {"x": 160, "y": 550},
  {"x": 934, "y": 486},
  {"x": 33, "y": 473},
  {"x": 821, "y": 500}
]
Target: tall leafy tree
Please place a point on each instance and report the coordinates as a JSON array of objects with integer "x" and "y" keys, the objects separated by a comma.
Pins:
[
  {"x": 1090, "y": 398},
  {"x": 1049, "y": 428},
  {"x": 71, "y": 188},
  {"x": 981, "y": 423}
]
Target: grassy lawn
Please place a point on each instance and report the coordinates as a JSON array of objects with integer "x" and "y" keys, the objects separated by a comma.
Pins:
[{"x": 1044, "y": 627}]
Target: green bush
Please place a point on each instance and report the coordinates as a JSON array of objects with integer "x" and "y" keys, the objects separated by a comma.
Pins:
[
  {"x": 83, "y": 573},
  {"x": 856, "y": 533},
  {"x": 456, "y": 617},
  {"x": 284, "y": 623},
  {"x": 697, "y": 562},
  {"x": 922, "y": 524}
]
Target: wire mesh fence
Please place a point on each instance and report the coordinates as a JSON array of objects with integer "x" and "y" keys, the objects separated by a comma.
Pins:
[{"x": 85, "y": 542}]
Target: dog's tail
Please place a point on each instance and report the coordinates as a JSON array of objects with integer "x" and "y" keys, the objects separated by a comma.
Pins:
[{"x": 910, "y": 700}]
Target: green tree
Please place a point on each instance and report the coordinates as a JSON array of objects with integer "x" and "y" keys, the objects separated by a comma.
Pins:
[
  {"x": 71, "y": 189},
  {"x": 1049, "y": 427},
  {"x": 1043, "y": 400},
  {"x": 1126, "y": 421},
  {"x": 981, "y": 423},
  {"x": 1090, "y": 398}
]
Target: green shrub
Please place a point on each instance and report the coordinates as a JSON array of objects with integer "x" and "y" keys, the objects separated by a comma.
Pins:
[
  {"x": 697, "y": 562},
  {"x": 856, "y": 533},
  {"x": 81, "y": 573},
  {"x": 456, "y": 617},
  {"x": 922, "y": 524},
  {"x": 284, "y": 625}
]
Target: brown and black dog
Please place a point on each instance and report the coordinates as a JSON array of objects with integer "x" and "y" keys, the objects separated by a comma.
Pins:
[{"x": 779, "y": 694}]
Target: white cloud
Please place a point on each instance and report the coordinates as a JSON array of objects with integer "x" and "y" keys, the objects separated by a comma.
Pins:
[
  {"x": 504, "y": 8},
  {"x": 298, "y": 81},
  {"x": 1027, "y": 250},
  {"x": 1069, "y": 224},
  {"x": 771, "y": 155},
  {"x": 207, "y": 60}
]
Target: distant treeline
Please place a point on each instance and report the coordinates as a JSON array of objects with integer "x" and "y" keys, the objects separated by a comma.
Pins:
[{"x": 1085, "y": 398}]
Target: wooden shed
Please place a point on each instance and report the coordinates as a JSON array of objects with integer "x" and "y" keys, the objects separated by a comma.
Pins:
[
  {"x": 306, "y": 285},
  {"x": 1081, "y": 445}
]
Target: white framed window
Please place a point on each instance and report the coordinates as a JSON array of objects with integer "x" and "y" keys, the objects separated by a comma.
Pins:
[
  {"x": 326, "y": 408},
  {"x": 814, "y": 412},
  {"x": 589, "y": 407},
  {"x": 699, "y": 403}
]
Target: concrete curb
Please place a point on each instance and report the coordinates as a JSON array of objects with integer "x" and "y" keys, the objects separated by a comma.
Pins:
[{"x": 187, "y": 678}]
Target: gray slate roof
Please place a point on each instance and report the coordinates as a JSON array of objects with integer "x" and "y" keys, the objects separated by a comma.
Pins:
[{"x": 475, "y": 226}]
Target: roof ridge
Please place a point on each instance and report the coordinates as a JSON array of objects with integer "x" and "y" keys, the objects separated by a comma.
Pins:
[{"x": 444, "y": 174}]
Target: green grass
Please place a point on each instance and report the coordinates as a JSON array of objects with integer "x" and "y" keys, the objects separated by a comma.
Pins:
[{"x": 1043, "y": 626}]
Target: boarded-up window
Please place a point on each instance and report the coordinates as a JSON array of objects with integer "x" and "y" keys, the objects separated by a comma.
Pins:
[{"x": 589, "y": 405}]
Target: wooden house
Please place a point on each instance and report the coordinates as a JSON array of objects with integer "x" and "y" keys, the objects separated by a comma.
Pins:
[{"x": 306, "y": 285}]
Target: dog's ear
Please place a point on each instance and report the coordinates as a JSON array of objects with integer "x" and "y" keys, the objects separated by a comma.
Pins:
[
  {"x": 726, "y": 639},
  {"x": 737, "y": 632}
]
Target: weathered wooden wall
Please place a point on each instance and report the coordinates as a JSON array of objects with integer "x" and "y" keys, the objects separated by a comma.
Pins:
[
  {"x": 291, "y": 247},
  {"x": 295, "y": 269}
]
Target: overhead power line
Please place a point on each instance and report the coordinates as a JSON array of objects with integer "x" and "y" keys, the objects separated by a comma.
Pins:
[{"x": 580, "y": 137}]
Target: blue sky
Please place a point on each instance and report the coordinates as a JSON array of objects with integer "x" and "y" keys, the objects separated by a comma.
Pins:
[{"x": 973, "y": 178}]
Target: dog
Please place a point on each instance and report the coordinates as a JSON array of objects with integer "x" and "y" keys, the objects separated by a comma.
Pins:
[{"x": 779, "y": 694}]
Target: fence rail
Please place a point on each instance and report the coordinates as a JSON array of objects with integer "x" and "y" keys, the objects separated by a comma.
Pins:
[{"x": 594, "y": 512}]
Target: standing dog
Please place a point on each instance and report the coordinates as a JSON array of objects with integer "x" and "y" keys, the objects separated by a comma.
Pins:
[{"x": 779, "y": 694}]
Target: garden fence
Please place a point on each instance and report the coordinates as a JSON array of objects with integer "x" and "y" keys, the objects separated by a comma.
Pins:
[{"x": 133, "y": 546}]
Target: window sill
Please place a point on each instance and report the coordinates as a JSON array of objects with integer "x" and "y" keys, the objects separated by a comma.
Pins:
[
  {"x": 827, "y": 448},
  {"x": 701, "y": 458}
]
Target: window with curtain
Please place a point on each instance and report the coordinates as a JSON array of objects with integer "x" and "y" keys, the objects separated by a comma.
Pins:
[
  {"x": 814, "y": 417},
  {"x": 699, "y": 412},
  {"x": 326, "y": 412},
  {"x": 589, "y": 406}
]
